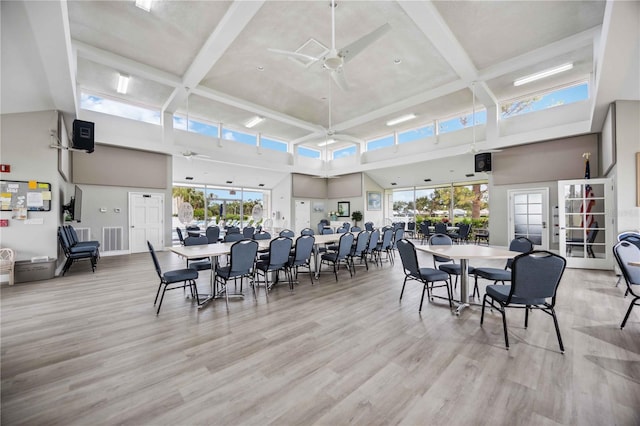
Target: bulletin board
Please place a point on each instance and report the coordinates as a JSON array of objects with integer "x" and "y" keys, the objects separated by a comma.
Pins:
[{"x": 29, "y": 195}]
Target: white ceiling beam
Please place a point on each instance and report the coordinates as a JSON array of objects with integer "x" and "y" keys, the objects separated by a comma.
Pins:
[
  {"x": 230, "y": 26},
  {"x": 430, "y": 22},
  {"x": 409, "y": 102},
  {"x": 214, "y": 95},
  {"x": 50, "y": 24},
  {"x": 550, "y": 51},
  {"x": 126, "y": 65}
]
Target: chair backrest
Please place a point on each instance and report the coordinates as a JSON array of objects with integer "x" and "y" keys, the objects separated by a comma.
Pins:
[
  {"x": 344, "y": 245},
  {"x": 408, "y": 257},
  {"x": 398, "y": 234},
  {"x": 234, "y": 236},
  {"x": 374, "y": 238},
  {"x": 64, "y": 239},
  {"x": 387, "y": 238},
  {"x": 633, "y": 239},
  {"x": 213, "y": 234},
  {"x": 342, "y": 230},
  {"x": 7, "y": 254},
  {"x": 440, "y": 228},
  {"x": 287, "y": 233},
  {"x": 180, "y": 236},
  {"x": 411, "y": 226},
  {"x": 326, "y": 231},
  {"x": 355, "y": 229},
  {"x": 322, "y": 224},
  {"x": 243, "y": 256},
  {"x": 232, "y": 230},
  {"x": 195, "y": 241},
  {"x": 307, "y": 231},
  {"x": 193, "y": 228},
  {"x": 248, "y": 231},
  {"x": 440, "y": 240},
  {"x": 362, "y": 241},
  {"x": 623, "y": 235},
  {"x": 521, "y": 244},
  {"x": 279, "y": 251},
  {"x": 156, "y": 264},
  {"x": 304, "y": 247},
  {"x": 463, "y": 231},
  {"x": 368, "y": 226},
  {"x": 536, "y": 275},
  {"x": 72, "y": 234},
  {"x": 625, "y": 252},
  {"x": 424, "y": 228},
  {"x": 262, "y": 235}
]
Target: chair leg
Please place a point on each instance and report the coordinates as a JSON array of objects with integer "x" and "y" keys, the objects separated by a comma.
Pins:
[
  {"x": 626, "y": 317},
  {"x": 526, "y": 316},
  {"x": 555, "y": 322},
  {"x": 504, "y": 326},
  {"x": 424, "y": 287},
  {"x": 403, "y": 284},
  {"x": 164, "y": 289},
  {"x": 484, "y": 302},
  {"x": 157, "y": 294},
  {"x": 449, "y": 291}
]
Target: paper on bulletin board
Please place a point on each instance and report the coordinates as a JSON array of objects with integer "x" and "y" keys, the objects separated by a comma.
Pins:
[
  {"x": 19, "y": 213},
  {"x": 46, "y": 195},
  {"x": 34, "y": 199},
  {"x": 33, "y": 184}
]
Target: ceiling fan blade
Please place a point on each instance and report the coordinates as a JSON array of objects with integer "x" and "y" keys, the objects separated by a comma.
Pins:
[
  {"x": 340, "y": 80},
  {"x": 350, "y": 51},
  {"x": 295, "y": 55}
]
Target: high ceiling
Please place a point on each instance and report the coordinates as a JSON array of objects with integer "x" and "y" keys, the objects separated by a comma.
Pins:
[
  {"x": 219, "y": 50},
  {"x": 211, "y": 58}
]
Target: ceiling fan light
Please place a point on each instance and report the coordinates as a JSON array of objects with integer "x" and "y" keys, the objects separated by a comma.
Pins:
[
  {"x": 254, "y": 122},
  {"x": 123, "y": 83},
  {"x": 400, "y": 119},
  {"x": 543, "y": 74}
]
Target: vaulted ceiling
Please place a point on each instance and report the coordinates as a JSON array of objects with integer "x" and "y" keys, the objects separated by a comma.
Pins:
[{"x": 212, "y": 58}]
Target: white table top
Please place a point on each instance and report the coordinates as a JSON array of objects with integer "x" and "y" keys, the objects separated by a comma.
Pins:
[
  {"x": 327, "y": 238},
  {"x": 469, "y": 251},
  {"x": 210, "y": 250}
]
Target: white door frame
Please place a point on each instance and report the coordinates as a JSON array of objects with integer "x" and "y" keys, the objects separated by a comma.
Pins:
[
  {"x": 544, "y": 192},
  {"x": 302, "y": 222}
]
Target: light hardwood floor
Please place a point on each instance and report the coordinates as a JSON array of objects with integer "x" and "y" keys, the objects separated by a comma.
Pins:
[{"x": 88, "y": 349}]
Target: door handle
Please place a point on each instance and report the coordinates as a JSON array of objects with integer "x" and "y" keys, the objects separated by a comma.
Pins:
[{"x": 544, "y": 225}]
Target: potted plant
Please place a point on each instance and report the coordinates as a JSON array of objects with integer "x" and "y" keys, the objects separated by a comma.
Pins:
[{"x": 356, "y": 216}]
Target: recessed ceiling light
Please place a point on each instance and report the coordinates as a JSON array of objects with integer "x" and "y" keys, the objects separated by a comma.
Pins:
[
  {"x": 397, "y": 61},
  {"x": 327, "y": 142},
  {"x": 401, "y": 119},
  {"x": 144, "y": 5},
  {"x": 229, "y": 182},
  {"x": 469, "y": 175},
  {"x": 254, "y": 121},
  {"x": 261, "y": 184},
  {"x": 189, "y": 178},
  {"x": 123, "y": 83},
  {"x": 393, "y": 184},
  {"x": 427, "y": 180},
  {"x": 543, "y": 74},
  {"x": 260, "y": 68}
]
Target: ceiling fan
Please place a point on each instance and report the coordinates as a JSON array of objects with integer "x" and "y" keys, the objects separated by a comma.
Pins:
[
  {"x": 335, "y": 59},
  {"x": 188, "y": 154}
]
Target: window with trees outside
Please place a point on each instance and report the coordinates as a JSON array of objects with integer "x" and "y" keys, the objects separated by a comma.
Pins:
[
  {"x": 562, "y": 96},
  {"x": 455, "y": 203},
  {"x": 218, "y": 206}
]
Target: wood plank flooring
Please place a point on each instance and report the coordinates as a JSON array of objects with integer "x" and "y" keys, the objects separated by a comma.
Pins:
[{"x": 88, "y": 349}]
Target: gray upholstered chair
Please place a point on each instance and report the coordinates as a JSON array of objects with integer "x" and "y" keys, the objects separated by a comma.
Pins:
[
  {"x": 413, "y": 271},
  {"x": 444, "y": 264},
  {"x": 167, "y": 279},
  {"x": 277, "y": 259},
  {"x": 213, "y": 234},
  {"x": 520, "y": 244},
  {"x": 301, "y": 257},
  {"x": 535, "y": 279},
  {"x": 625, "y": 252},
  {"x": 201, "y": 263},
  {"x": 341, "y": 255},
  {"x": 359, "y": 249},
  {"x": 241, "y": 263}
]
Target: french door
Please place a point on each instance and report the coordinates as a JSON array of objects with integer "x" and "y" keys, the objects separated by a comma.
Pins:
[
  {"x": 585, "y": 225},
  {"x": 529, "y": 216}
]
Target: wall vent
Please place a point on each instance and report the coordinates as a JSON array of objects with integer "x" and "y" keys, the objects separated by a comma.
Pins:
[
  {"x": 111, "y": 239},
  {"x": 84, "y": 234}
]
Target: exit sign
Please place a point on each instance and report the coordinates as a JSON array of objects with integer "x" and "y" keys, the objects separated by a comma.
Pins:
[{"x": 5, "y": 168}]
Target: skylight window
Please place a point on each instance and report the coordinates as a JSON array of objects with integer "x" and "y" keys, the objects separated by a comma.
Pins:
[
  {"x": 118, "y": 109},
  {"x": 344, "y": 152},
  {"x": 241, "y": 137},
  {"x": 462, "y": 121},
  {"x": 537, "y": 102},
  {"x": 180, "y": 122},
  {"x": 274, "y": 144},
  {"x": 416, "y": 134},
  {"x": 307, "y": 152},
  {"x": 383, "y": 142}
]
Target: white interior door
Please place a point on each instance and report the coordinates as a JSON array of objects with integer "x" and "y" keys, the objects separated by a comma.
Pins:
[
  {"x": 529, "y": 216},
  {"x": 303, "y": 215},
  {"x": 585, "y": 237},
  {"x": 146, "y": 219}
]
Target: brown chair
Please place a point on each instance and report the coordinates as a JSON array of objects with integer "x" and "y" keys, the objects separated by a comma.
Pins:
[{"x": 7, "y": 263}]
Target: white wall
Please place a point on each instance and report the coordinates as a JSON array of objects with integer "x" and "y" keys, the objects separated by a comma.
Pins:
[
  {"x": 24, "y": 145},
  {"x": 375, "y": 216},
  {"x": 627, "y": 145},
  {"x": 282, "y": 204}
]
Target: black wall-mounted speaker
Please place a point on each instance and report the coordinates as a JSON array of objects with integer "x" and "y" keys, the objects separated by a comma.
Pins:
[
  {"x": 483, "y": 162},
  {"x": 83, "y": 135}
]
